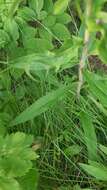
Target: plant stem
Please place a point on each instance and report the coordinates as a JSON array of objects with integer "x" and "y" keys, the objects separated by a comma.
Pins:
[
  {"x": 14, "y": 7},
  {"x": 85, "y": 48}
]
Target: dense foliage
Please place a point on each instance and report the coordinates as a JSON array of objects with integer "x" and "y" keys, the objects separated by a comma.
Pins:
[{"x": 53, "y": 95}]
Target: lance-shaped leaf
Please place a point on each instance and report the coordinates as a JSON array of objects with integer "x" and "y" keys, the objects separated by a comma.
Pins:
[
  {"x": 41, "y": 105},
  {"x": 96, "y": 170}
]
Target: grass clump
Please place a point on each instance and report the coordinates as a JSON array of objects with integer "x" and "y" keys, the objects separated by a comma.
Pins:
[{"x": 53, "y": 104}]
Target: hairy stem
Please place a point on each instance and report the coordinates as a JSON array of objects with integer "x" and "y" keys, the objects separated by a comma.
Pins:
[{"x": 85, "y": 48}]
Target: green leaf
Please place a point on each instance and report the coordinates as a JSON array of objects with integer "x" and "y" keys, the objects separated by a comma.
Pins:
[
  {"x": 76, "y": 187},
  {"x": 97, "y": 86},
  {"x": 44, "y": 34},
  {"x": 45, "y": 61},
  {"x": 64, "y": 18},
  {"x": 36, "y": 5},
  {"x": 8, "y": 184},
  {"x": 28, "y": 32},
  {"x": 11, "y": 27},
  {"x": 4, "y": 38},
  {"x": 40, "y": 106},
  {"x": 61, "y": 31},
  {"x": 60, "y": 6},
  {"x": 49, "y": 21},
  {"x": 102, "y": 49},
  {"x": 103, "y": 148},
  {"x": 89, "y": 135},
  {"x": 26, "y": 13},
  {"x": 96, "y": 170},
  {"x": 16, "y": 154},
  {"x": 37, "y": 45},
  {"x": 102, "y": 16},
  {"x": 48, "y": 6},
  {"x": 42, "y": 15},
  {"x": 72, "y": 150},
  {"x": 30, "y": 180}
]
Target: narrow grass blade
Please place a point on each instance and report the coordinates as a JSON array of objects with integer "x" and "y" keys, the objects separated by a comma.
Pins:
[{"x": 89, "y": 135}]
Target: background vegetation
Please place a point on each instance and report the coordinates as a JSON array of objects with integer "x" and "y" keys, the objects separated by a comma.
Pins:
[{"x": 53, "y": 95}]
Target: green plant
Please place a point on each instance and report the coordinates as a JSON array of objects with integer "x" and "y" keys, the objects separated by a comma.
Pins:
[
  {"x": 41, "y": 44},
  {"x": 15, "y": 159}
]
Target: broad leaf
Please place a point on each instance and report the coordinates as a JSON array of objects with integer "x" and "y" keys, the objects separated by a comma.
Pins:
[
  {"x": 64, "y": 18},
  {"x": 61, "y": 31}
]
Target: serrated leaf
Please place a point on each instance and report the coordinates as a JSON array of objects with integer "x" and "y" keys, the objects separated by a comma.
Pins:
[
  {"x": 40, "y": 106},
  {"x": 16, "y": 154}
]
